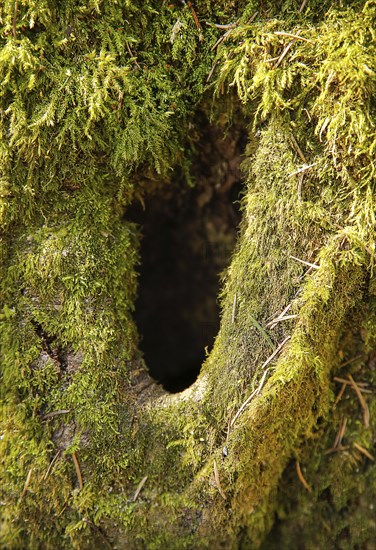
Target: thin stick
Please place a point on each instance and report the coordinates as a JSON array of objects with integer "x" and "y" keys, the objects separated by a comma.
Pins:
[
  {"x": 197, "y": 22},
  {"x": 217, "y": 482},
  {"x": 51, "y": 465},
  {"x": 362, "y": 385},
  {"x": 279, "y": 319},
  {"x": 255, "y": 392},
  {"x": 338, "y": 449},
  {"x": 222, "y": 38},
  {"x": 314, "y": 266},
  {"x": 262, "y": 8},
  {"x": 139, "y": 487},
  {"x": 272, "y": 59},
  {"x": 340, "y": 394},
  {"x": 364, "y": 451},
  {"x": 304, "y": 3},
  {"x": 276, "y": 352},
  {"x": 298, "y": 149},
  {"x": 131, "y": 54},
  {"x": 212, "y": 71},
  {"x": 351, "y": 361},
  {"x": 302, "y": 169},
  {"x": 55, "y": 413},
  {"x": 300, "y": 185},
  {"x": 284, "y": 311},
  {"x": 283, "y": 55},
  {"x": 295, "y": 36},
  {"x": 78, "y": 470},
  {"x": 27, "y": 482},
  {"x": 14, "y": 22},
  {"x": 233, "y": 310},
  {"x": 362, "y": 402},
  {"x": 301, "y": 478},
  {"x": 223, "y": 27},
  {"x": 341, "y": 433}
]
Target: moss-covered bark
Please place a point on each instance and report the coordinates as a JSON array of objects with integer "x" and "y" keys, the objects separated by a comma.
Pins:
[{"x": 98, "y": 105}]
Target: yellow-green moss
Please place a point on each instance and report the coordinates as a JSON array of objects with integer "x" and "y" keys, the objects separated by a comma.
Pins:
[{"x": 97, "y": 100}]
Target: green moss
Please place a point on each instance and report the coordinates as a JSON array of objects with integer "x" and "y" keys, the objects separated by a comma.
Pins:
[{"x": 97, "y": 105}]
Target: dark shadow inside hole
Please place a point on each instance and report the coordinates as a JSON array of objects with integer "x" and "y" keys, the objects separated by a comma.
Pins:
[{"x": 188, "y": 238}]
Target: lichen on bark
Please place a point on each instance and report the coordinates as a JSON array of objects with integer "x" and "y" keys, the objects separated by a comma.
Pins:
[{"x": 98, "y": 105}]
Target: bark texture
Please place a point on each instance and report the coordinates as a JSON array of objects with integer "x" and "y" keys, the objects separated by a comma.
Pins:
[{"x": 102, "y": 105}]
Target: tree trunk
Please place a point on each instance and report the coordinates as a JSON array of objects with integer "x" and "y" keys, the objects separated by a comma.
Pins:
[{"x": 123, "y": 128}]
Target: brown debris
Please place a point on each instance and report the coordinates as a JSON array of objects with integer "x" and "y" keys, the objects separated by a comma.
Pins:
[
  {"x": 301, "y": 478},
  {"x": 78, "y": 470}
]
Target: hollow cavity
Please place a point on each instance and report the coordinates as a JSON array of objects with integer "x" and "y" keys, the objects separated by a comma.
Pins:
[{"x": 188, "y": 237}]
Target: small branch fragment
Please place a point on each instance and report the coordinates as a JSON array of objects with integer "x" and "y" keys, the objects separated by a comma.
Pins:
[
  {"x": 340, "y": 394},
  {"x": 276, "y": 352},
  {"x": 51, "y": 465},
  {"x": 279, "y": 319},
  {"x": 361, "y": 385},
  {"x": 362, "y": 402},
  {"x": 304, "y": 3},
  {"x": 283, "y": 312},
  {"x": 14, "y": 21},
  {"x": 295, "y": 36},
  {"x": 197, "y": 22},
  {"x": 233, "y": 310},
  {"x": 302, "y": 169},
  {"x": 223, "y": 27},
  {"x": 314, "y": 266},
  {"x": 352, "y": 360},
  {"x": 217, "y": 482},
  {"x": 131, "y": 54},
  {"x": 212, "y": 71},
  {"x": 341, "y": 433},
  {"x": 255, "y": 392},
  {"x": 300, "y": 185},
  {"x": 298, "y": 149},
  {"x": 27, "y": 482},
  {"x": 301, "y": 478},
  {"x": 139, "y": 487},
  {"x": 55, "y": 413},
  {"x": 78, "y": 471},
  {"x": 338, "y": 449},
  {"x": 364, "y": 451},
  {"x": 283, "y": 55}
]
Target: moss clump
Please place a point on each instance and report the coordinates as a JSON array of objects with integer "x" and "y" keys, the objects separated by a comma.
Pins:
[{"x": 97, "y": 103}]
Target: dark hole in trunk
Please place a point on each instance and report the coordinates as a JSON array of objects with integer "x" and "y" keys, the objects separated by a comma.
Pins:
[{"x": 189, "y": 235}]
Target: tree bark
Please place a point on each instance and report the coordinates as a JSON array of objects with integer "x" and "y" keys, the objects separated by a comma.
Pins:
[{"x": 102, "y": 106}]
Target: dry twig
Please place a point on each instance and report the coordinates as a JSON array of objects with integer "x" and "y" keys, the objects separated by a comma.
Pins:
[
  {"x": 78, "y": 470},
  {"x": 276, "y": 352},
  {"x": 55, "y": 413},
  {"x": 301, "y": 478},
  {"x": 279, "y": 319},
  {"x": 364, "y": 451},
  {"x": 361, "y": 385},
  {"x": 255, "y": 392},
  {"x": 314, "y": 266},
  {"x": 362, "y": 402},
  {"x": 217, "y": 482},
  {"x": 27, "y": 482},
  {"x": 340, "y": 433},
  {"x": 14, "y": 21},
  {"x": 233, "y": 310},
  {"x": 340, "y": 394},
  {"x": 298, "y": 149},
  {"x": 302, "y": 169},
  {"x": 51, "y": 465},
  {"x": 295, "y": 36},
  {"x": 139, "y": 487}
]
